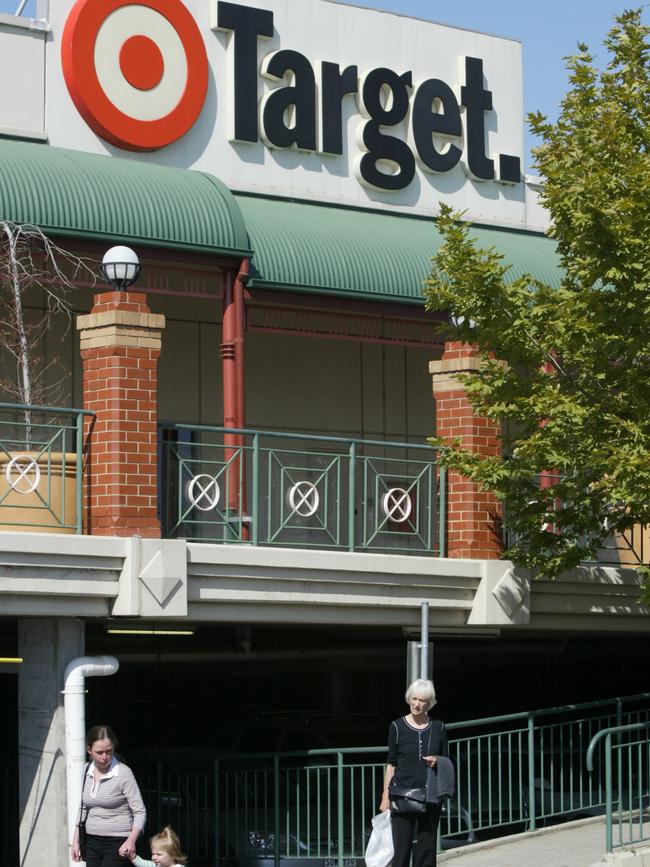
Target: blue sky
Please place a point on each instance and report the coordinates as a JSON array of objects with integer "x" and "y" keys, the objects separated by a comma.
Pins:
[{"x": 549, "y": 32}]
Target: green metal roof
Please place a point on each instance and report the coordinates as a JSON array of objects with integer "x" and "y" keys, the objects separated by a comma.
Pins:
[
  {"x": 318, "y": 248},
  {"x": 81, "y": 195},
  {"x": 330, "y": 250}
]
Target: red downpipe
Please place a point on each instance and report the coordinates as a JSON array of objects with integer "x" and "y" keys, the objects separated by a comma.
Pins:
[
  {"x": 234, "y": 416},
  {"x": 240, "y": 319}
]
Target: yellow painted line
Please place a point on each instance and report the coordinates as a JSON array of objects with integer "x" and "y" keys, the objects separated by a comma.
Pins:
[
  {"x": 10, "y": 659},
  {"x": 150, "y": 631}
]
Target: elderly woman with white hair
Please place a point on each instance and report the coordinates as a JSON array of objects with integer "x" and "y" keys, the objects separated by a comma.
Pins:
[{"x": 415, "y": 742}]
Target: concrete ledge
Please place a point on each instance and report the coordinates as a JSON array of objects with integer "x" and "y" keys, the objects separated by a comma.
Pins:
[{"x": 629, "y": 856}]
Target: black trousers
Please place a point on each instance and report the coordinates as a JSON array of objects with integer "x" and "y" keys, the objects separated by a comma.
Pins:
[
  {"x": 103, "y": 851},
  {"x": 422, "y": 826}
]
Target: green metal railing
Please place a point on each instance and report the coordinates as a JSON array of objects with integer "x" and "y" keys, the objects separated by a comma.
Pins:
[
  {"x": 41, "y": 468},
  {"x": 298, "y": 490},
  {"x": 513, "y": 772},
  {"x": 627, "y": 782}
]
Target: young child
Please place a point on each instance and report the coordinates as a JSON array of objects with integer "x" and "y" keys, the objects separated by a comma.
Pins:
[{"x": 165, "y": 851}]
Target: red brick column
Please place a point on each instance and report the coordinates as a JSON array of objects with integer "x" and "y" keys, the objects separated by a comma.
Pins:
[
  {"x": 472, "y": 514},
  {"x": 120, "y": 344}
]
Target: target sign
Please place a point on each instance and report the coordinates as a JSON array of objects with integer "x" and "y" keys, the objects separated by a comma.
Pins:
[{"x": 137, "y": 70}]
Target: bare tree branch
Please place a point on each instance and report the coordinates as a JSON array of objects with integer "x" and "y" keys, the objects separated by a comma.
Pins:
[{"x": 30, "y": 262}]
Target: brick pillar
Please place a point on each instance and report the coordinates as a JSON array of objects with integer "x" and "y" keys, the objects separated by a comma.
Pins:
[
  {"x": 120, "y": 344},
  {"x": 472, "y": 514}
]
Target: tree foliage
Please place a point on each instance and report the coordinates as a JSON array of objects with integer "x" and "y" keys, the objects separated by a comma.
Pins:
[{"x": 573, "y": 399}]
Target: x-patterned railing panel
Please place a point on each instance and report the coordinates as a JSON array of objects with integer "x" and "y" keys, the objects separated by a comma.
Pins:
[
  {"x": 41, "y": 468},
  {"x": 295, "y": 490}
]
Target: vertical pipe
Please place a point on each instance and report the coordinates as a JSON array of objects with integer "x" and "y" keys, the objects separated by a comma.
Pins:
[
  {"x": 339, "y": 812},
  {"x": 234, "y": 414},
  {"x": 240, "y": 390},
  {"x": 276, "y": 810},
  {"x": 79, "y": 472},
  {"x": 217, "y": 806},
  {"x": 442, "y": 512},
  {"x": 608, "y": 792},
  {"x": 424, "y": 640},
  {"x": 229, "y": 372},
  {"x": 352, "y": 468},
  {"x": 74, "y": 710},
  {"x": 618, "y": 741},
  {"x": 240, "y": 325},
  {"x": 255, "y": 511},
  {"x": 531, "y": 771}
]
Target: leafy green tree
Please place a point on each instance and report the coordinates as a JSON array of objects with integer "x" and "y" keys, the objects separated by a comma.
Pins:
[{"x": 566, "y": 369}]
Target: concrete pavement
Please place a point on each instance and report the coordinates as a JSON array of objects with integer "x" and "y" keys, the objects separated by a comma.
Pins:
[{"x": 573, "y": 844}]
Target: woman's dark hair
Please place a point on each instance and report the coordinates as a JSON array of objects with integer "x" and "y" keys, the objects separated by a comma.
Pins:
[{"x": 99, "y": 733}]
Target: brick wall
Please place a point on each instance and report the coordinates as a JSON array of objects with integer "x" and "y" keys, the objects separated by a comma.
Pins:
[
  {"x": 473, "y": 516},
  {"x": 120, "y": 345}
]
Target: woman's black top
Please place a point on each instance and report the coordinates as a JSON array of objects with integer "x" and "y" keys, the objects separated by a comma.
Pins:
[{"x": 407, "y": 745}]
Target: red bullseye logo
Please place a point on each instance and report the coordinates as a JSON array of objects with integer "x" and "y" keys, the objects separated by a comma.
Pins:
[{"x": 137, "y": 70}]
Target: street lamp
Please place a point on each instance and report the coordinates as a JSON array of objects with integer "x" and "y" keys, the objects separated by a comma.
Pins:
[
  {"x": 120, "y": 267},
  {"x": 457, "y": 320}
]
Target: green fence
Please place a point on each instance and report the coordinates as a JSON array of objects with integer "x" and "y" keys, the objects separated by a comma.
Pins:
[
  {"x": 41, "y": 468},
  {"x": 514, "y": 772},
  {"x": 274, "y": 488},
  {"x": 627, "y": 782}
]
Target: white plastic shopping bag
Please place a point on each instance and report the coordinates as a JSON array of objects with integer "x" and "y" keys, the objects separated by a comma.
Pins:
[{"x": 379, "y": 851}]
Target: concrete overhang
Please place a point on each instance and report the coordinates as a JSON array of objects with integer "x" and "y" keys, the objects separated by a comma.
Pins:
[{"x": 47, "y": 575}]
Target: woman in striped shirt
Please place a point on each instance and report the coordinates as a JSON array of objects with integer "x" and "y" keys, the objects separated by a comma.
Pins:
[{"x": 111, "y": 804}]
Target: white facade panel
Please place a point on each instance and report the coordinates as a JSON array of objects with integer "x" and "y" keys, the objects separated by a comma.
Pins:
[
  {"x": 349, "y": 37},
  {"x": 22, "y": 71}
]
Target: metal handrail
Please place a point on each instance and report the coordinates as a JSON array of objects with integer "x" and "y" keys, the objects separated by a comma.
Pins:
[
  {"x": 607, "y": 733},
  {"x": 60, "y": 410},
  {"x": 471, "y": 723},
  {"x": 298, "y": 436}
]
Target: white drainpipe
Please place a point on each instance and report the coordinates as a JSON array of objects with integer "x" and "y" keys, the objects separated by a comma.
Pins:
[{"x": 74, "y": 707}]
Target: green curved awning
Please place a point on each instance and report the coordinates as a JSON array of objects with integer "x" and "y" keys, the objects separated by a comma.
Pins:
[
  {"x": 81, "y": 195},
  {"x": 324, "y": 249}
]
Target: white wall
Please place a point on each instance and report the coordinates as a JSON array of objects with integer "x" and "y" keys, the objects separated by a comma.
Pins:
[
  {"x": 22, "y": 73},
  {"x": 346, "y": 35}
]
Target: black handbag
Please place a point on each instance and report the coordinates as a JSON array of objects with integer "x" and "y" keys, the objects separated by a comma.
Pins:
[
  {"x": 82, "y": 819},
  {"x": 407, "y": 801},
  {"x": 82, "y": 839}
]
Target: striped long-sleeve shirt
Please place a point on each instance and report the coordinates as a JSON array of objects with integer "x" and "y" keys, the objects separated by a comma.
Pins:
[{"x": 114, "y": 805}]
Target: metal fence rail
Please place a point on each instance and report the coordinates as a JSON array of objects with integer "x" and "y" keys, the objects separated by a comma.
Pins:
[
  {"x": 260, "y": 810},
  {"x": 274, "y": 488},
  {"x": 41, "y": 468},
  {"x": 627, "y": 782}
]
